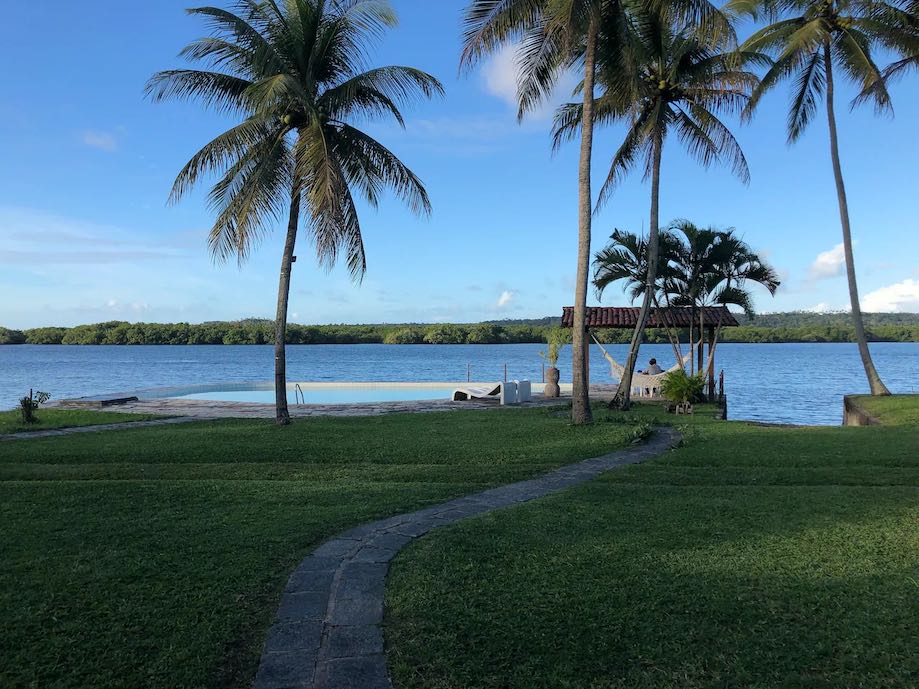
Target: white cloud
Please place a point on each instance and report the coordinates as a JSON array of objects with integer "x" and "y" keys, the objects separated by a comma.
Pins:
[
  {"x": 501, "y": 75},
  {"x": 104, "y": 141},
  {"x": 900, "y": 297},
  {"x": 822, "y": 307},
  {"x": 829, "y": 264},
  {"x": 506, "y": 297}
]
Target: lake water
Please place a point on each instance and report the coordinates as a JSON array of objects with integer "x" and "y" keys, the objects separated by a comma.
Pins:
[{"x": 788, "y": 383}]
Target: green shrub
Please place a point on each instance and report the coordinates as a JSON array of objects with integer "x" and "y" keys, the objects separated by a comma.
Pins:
[
  {"x": 680, "y": 387},
  {"x": 28, "y": 405}
]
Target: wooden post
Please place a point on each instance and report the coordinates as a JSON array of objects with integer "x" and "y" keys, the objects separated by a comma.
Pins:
[
  {"x": 587, "y": 358},
  {"x": 711, "y": 365},
  {"x": 700, "y": 352}
]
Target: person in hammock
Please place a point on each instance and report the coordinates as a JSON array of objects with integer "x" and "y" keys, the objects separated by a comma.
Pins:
[{"x": 653, "y": 368}]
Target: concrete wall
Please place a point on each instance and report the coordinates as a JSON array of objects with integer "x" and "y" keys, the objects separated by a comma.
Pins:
[{"x": 854, "y": 415}]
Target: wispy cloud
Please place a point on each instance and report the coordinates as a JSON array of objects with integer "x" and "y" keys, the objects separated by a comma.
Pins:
[
  {"x": 104, "y": 141},
  {"x": 37, "y": 238},
  {"x": 507, "y": 296},
  {"x": 828, "y": 264}
]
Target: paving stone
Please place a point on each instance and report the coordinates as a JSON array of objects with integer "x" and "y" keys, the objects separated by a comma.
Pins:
[
  {"x": 416, "y": 528},
  {"x": 294, "y": 670},
  {"x": 354, "y": 641},
  {"x": 362, "y": 579},
  {"x": 359, "y": 610},
  {"x": 336, "y": 548},
  {"x": 310, "y": 580},
  {"x": 391, "y": 540},
  {"x": 294, "y": 636},
  {"x": 356, "y": 673},
  {"x": 308, "y": 605},
  {"x": 369, "y": 553}
]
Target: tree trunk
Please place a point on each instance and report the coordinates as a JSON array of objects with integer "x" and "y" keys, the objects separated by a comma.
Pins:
[
  {"x": 874, "y": 380},
  {"x": 282, "y": 415},
  {"x": 580, "y": 380},
  {"x": 624, "y": 393}
]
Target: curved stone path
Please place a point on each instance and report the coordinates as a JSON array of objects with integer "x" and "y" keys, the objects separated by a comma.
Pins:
[{"x": 327, "y": 633}]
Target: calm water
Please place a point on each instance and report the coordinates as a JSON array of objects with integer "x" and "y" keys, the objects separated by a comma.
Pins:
[{"x": 792, "y": 383}]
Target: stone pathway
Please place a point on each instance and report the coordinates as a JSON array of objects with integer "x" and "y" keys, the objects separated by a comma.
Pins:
[
  {"x": 327, "y": 633},
  {"x": 120, "y": 426}
]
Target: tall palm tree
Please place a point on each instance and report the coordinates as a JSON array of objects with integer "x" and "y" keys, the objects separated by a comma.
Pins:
[
  {"x": 809, "y": 38},
  {"x": 555, "y": 36},
  {"x": 681, "y": 83},
  {"x": 297, "y": 75}
]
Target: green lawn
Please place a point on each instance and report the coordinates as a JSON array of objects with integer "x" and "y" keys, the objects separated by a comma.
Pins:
[
  {"x": 895, "y": 409},
  {"x": 11, "y": 421},
  {"x": 751, "y": 557},
  {"x": 154, "y": 557}
]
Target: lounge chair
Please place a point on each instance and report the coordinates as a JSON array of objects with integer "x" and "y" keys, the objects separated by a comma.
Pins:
[{"x": 506, "y": 393}]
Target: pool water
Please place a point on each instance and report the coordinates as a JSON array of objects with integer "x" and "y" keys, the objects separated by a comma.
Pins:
[{"x": 329, "y": 395}]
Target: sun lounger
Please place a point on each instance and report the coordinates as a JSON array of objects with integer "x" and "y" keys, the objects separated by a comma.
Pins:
[{"x": 506, "y": 393}]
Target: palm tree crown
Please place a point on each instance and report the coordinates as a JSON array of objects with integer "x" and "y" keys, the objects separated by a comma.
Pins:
[
  {"x": 680, "y": 82},
  {"x": 841, "y": 32},
  {"x": 297, "y": 73}
]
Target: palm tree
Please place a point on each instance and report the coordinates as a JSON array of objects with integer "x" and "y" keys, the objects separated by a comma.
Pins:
[
  {"x": 555, "y": 36},
  {"x": 818, "y": 35},
  {"x": 625, "y": 259},
  {"x": 713, "y": 268},
  {"x": 681, "y": 83},
  {"x": 296, "y": 74}
]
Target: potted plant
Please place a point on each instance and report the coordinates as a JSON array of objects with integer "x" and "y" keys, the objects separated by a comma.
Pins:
[
  {"x": 555, "y": 340},
  {"x": 683, "y": 389}
]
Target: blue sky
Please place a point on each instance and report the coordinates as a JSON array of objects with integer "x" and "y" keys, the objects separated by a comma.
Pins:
[{"x": 86, "y": 235}]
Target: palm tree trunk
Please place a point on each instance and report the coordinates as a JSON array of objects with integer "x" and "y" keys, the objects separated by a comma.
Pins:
[
  {"x": 624, "y": 393},
  {"x": 580, "y": 399},
  {"x": 282, "y": 415},
  {"x": 874, "y": 380}
]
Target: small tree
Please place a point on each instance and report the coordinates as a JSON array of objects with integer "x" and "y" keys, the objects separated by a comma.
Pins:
[{"x": 29, "y": 405}]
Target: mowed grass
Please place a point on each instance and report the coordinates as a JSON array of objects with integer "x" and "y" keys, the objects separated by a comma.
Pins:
[
  {"x": 155, "y": 557},
  {"x": 751, "y": 557},
  {"x": 893, "y": 409},
  {"x": 11, "y": 421}
]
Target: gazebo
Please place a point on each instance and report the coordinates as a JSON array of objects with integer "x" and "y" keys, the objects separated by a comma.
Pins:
[{"x": 676, "y": 317}]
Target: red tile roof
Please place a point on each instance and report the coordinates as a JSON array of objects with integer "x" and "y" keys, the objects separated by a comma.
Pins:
[{"x": 627, "y": 316}]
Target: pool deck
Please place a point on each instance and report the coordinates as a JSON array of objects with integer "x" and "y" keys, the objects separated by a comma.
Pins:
[{"x": 209, "y": 409}]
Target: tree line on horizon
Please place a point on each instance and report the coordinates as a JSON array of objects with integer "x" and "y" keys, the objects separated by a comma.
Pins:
[{"x": 768, "y": 328}]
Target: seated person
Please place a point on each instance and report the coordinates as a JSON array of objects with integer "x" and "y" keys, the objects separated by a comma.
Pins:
[{"x": 653, "y": 368}]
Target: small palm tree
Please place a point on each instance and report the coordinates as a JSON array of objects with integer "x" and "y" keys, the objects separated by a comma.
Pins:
[
  {"x": 681, "y": 84},
  {"x": 809, "y": 38},
  {"x": 296, "y": 74},
  {"x": 625, "y": 259},
  {"x": 714, "y": 268}
]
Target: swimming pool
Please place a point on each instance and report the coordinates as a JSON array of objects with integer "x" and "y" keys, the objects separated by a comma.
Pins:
[{"x": 327, "y": 393}]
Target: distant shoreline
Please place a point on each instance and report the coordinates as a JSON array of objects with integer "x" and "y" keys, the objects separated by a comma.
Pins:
[{"x": 795, "y": 327}]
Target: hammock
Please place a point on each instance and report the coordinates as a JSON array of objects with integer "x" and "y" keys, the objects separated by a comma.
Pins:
[{"x": 643, "y": 383}]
